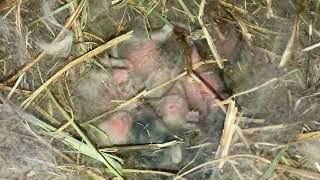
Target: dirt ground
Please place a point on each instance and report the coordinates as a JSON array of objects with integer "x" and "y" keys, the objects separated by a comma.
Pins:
[{"x": 264, "y": 51}]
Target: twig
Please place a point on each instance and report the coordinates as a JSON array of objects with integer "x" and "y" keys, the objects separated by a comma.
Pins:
[
  {"x": 149, "y": 172},
  {"x": 244, "y": 30},
  {"x": 18, "y": 18},
  {"x": 4, "y": 4},
  {"x": 181, "y": 39},
  {"x": 15, "y": 86},
  {"x": 141, "y": 147},
  {"x": 18, "y": 91},
  {"x": 264, "y": 128},
  {"x": 233, "y": 7},
  {"x": 269, "y": 7},
  {"x": 254, "y": 89},
  {"x": 236, "y": 170},
  {"x": 228, "y": 131},
  {"x": 187, "y": 11},
  {"x": 207, "y": 35},
  {"x": 289, "y": 48},
  {"x": 311, "y": 136},
  {"x": 309, "y": 48}
]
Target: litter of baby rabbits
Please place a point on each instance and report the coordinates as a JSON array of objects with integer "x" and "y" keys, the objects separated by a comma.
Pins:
[{"x": 145, "y": 89}]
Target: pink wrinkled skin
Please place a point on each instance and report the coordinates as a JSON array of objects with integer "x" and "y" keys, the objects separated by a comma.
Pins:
[
  {"x": 117, "y": 127},
  {"x": 197, "y": 95},
  {"x": 175, "y": 112},
  {"x": 156, "y": 78},
  {"x": 144, "y": 58},
  {"x": 123, "y": 81},
  {"x": 120, "y": 76}
]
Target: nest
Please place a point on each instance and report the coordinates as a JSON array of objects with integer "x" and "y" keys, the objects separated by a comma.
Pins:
[{"x": 266, "y": 50}]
